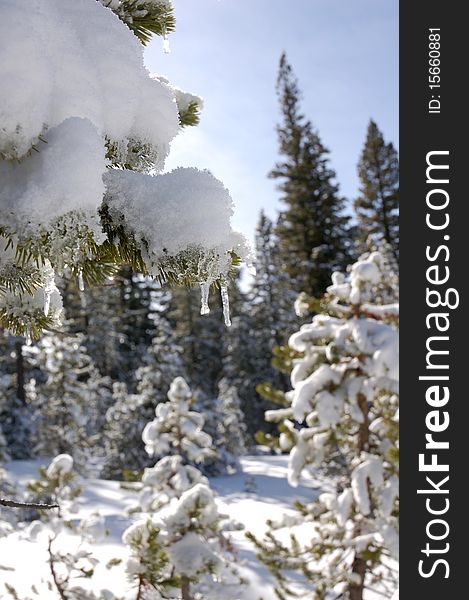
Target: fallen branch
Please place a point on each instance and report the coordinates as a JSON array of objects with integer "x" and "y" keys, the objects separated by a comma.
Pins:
[{"x": 16, "y": 504}]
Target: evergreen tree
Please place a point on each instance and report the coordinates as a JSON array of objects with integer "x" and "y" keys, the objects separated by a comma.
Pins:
[
  {"x": 15, "y": 415},
  {"x": 56, "y": 485},
  {"x": 266, "y": 315},
  {"x": 68, "y": 404},
  {"x": 233, "y": 440},
  {"x": 343, "y": 409},
  {"x": 199, "y": 335},
  {"x": 117, "y": 320},
  {"x": 176, "y": 429},
  {"x": 243, "y": 367},
  {"x": 162, "y": 363},
  {"x": 124, "y": 454},
  {"x": 312, "y": 229},
  {"x": 270, "y": 297},
  {"x": 224, "y": 423},
  {"x": 183, "y": 552},
  {"x": 377, "y": 207},
  {"x": 129, "y": 413}
]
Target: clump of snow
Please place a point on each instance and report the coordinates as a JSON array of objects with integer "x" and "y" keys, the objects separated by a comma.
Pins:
[
  {"x": 75, "y": 48},
  {"x": 183, "y": 209},
  {"x": 93, "y": 527},
  {"x": 64, "y": 176},
  {"x": 368, "y": 472},
  {"x": 192, "y": 554},
  {"x": 197, "y": 500},
  {"x": 307, "y": 389},
  {"x": 168, "y": 479},
  {"x": 183, "y": 99},
  {"x": 301, "y": 305},
  {"x": 136, "y": 533},
  {"x": 60, "y": 465}
]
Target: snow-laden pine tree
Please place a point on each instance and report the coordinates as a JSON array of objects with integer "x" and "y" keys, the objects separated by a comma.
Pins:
[
  {"x": 176, "y": 438},
  {"x": 312, "y": 229},
  {"x": 176, "y": 429},
  {"x": 225, "y": 424},
  {"x": 377, "y": 206},
  {"x": 83, "y": 126},
  {"x": 67, "y": 405},
  {"x": 233, "y": 439},
  {"x": 124, "y": 455},
  {"x": 344, "y": 408},
  {"x": 56, "y": 485},
  {"x": 130, "y": 412},
  {"x": 181, "y": 552},
  {"x": 179, "y": 549}
]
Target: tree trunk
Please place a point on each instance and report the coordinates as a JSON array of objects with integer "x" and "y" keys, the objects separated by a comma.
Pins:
[
  {"x": 355, "y": 591},
  {"x": 363, "y": 431},
  {"x": 186, "y": 589},
  {"x": 20, "y": 372}
]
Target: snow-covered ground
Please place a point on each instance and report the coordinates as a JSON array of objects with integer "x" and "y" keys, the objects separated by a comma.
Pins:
[{"x": 258, "y": 493}]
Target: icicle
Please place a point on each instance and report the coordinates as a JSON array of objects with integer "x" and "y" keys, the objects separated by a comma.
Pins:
[
  {"x": 47, "y": 295},
  {"x": 81, "y": 283},
  {"x": 204, "y": 290},
  {"x": 226, "y": 304},
  {"x": 27, "y": 335}
]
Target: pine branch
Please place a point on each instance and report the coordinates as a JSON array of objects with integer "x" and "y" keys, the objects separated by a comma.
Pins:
[
  {"x": 146, "y": 19},
  {"x": 190, "y": 116}
]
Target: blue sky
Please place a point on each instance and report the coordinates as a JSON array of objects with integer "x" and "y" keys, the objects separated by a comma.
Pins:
[{"x": 344, "y": 52}]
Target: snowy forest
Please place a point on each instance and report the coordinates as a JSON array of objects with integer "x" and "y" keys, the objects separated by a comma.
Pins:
[{"x": 184, "y": 414}]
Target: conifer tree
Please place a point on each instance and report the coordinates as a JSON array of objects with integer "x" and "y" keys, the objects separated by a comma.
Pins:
[
  {"x": 124, "y": 455},
  {"x": 224, "y": 423},
  {"x": 162, "y": 363},
  {"x": 243, "y": 367},
  {"x": 233, "y": 426},
  {"x": 312, "y": 229},
  {"x": 201, "y": 336},
  {"x": 270, "y": 297},
  {"x": 181, "y": 551},
  {"x": 345, "y": 399},
  {"x": 266, "y": 314},
  {"x": 15, "y": 417},
  {"x": 130, "y": 412},
  {"x": 68, "y": 404},
  {"x": 377, "y": 206},
  {"x": 177, "y": 429}
]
